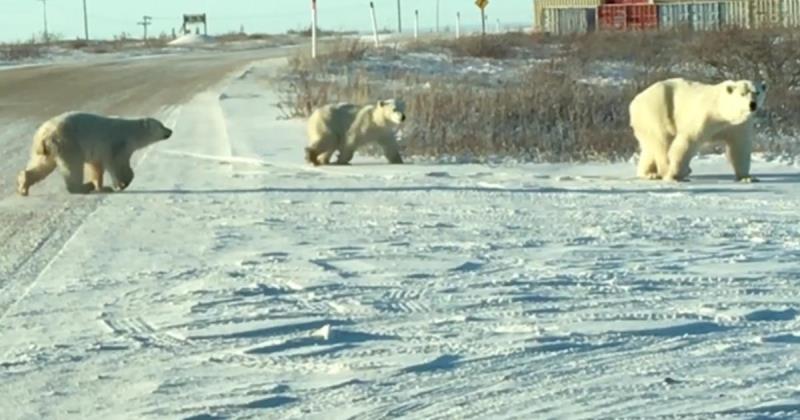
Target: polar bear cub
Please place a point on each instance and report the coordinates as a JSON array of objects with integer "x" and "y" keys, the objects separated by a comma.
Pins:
[
  {"x": 672, "y": 118},
  {"x": 75, "y": 141},
  {"x": 345, "y": 127}
]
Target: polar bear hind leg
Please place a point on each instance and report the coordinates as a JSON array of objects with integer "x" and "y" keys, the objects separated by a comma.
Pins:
[
  {"x": 39, "y": 167},
  {"x": 653, "y": 154},
  {"x": 680, "y": 154}
]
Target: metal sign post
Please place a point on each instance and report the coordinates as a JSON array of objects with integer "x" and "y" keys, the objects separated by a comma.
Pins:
[{"x": 482, "y": 5}]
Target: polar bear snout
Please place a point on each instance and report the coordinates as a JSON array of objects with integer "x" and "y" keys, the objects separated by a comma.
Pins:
[
  {"x": 402, "y": 117},
  {"x": 753, "y": 106},
  {"x": 167, "y": 133}
]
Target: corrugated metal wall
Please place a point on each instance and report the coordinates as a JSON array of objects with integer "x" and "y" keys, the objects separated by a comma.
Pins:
[
  {"x": 705, "y": 16},
  {"x": 734, "y": 14},
  {"x": 673, "y": 15},
  {"x": 569, "y": 21},
  {"x": 765, "y": 13},
  {"x": 791, "y": 13},
  {"x": 540, "y": 5}
]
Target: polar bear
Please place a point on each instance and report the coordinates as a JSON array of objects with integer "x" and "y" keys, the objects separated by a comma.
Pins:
[
  {"x": 74, "y": 141},
  {"x": 346, "y": 127},
  {"x": 672, "y": 118}
]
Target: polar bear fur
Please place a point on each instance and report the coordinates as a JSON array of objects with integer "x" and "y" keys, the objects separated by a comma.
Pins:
[
  {"x": 75, "y": 141},
  {"x": 345, "y": 127},
  {"x": 672, "y": 118}
]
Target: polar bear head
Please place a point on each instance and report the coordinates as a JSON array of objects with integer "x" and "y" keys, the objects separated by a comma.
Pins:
[
  {"x": 740, "y": 99},
  {"x": 156, "y": 130},
  {"x": 392, "y": 111}
]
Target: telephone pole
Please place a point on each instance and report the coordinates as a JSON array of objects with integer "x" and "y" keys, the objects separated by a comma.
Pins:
[
  {"x": 44, "y": 15},
  {"x": 399, "y": 18},
  {"x": 145, "y": 23},
  {"x": 85, "y": 21},
  {"x": 437, "y": 16}
]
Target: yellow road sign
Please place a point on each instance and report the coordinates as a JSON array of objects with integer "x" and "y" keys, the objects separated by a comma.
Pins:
[{"x": 482, "y": 3}]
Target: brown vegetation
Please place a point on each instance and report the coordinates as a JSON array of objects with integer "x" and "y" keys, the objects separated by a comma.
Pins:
[{"x": 545, "y": 112}]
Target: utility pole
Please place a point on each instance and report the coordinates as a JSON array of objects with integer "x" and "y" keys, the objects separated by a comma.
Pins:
[
  {"x": 44, "y": 14},
  {"x": 313, "y": 28},
  {"x": 416, "y": 24},
  {"x": 374, "y": 24},
  {"x": 399, "y": 18},
  {"x": 145, "y": 23},
  {"x": 437, "y": 15},
  {"x": 85, "y": 21}
]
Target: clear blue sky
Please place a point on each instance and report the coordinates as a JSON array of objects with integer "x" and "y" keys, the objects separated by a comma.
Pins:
[{"x": 19, "y": 19}]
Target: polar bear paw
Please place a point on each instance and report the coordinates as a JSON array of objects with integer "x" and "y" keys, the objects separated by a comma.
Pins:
[
  {"x": 747, "y": 179},
  {"x": 22, "y": 183}
]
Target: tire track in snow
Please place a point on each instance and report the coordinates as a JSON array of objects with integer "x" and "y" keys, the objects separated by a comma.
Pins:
[{"x": 139, "y": 330}]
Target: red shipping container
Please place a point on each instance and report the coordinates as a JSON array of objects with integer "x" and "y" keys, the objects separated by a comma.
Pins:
[
  {"x": 627, "y": 17},
  {"x": 627, "y": 2}
]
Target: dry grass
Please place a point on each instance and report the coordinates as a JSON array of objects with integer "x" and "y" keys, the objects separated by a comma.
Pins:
[
  {"x": 21, "y": 51},
  {"x": 545, "y": 114},
  {"x": 494, "y": 46}
]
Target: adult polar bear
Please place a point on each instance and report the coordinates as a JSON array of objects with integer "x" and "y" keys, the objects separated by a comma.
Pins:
[
  {"x": 346, "y": 127},
  {"x": 672, "y": 118},
  {"x": 74, "y": 140}
]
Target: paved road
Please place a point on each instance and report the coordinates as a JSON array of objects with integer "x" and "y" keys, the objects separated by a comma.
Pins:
[{"x": 34, "y": 229}]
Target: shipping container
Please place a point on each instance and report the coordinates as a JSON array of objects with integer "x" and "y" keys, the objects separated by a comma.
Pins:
[
  {"x": 628, "y": 2},
  {"x": 703, "y": 16},
  {"x": 540, "y": 5},
  {"x": 734, "y": 14},
  {"x": 569, "y": 21},
  {"x": 766, "y": 13},
  {"x": 622, "y": 17},
  {"x": 674, "y": 16},
  {"x": 791, "y": 13}
]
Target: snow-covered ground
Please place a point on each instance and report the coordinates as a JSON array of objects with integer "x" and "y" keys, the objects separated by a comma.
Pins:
[
  {"x": 192, "y": 39},
  {"x": 234, "y": 281}
]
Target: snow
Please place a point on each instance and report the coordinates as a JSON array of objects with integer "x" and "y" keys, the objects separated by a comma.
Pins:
[
  {"x": 232, "y": 280},
  {"x": 192, "y": 39}
]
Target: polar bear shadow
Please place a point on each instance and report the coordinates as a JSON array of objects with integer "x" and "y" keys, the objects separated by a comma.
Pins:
[
  {"x": 762, "y": 178},
  {"x": 459, "y": 189}
]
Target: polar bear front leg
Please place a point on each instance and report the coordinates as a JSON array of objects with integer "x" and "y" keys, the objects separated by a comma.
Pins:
[
  {"x": 738, "y": 148},
  {"x": 391, "y": 150},
  {"x": 345, "y": 155},
  {"x": 680, "y": 155},
  {"x": 94, "y": 174}
]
